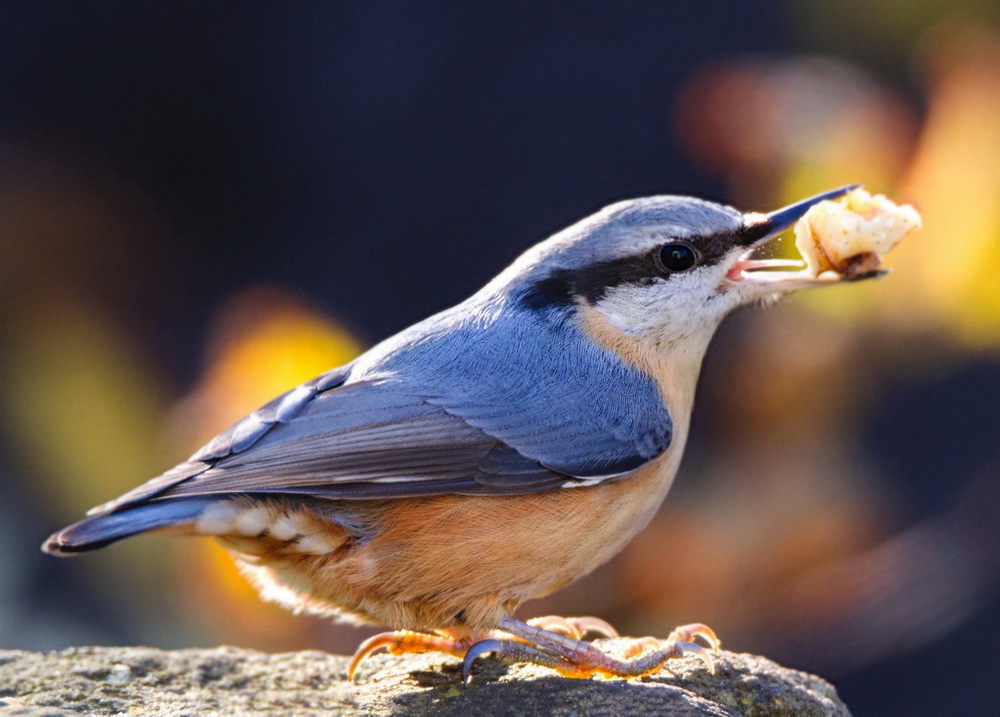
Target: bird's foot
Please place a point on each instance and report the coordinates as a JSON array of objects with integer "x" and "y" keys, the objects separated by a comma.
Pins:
[
  {"x": 550, "y": 641},
  {"x": 402, "y": 642},
  {"x": 572, "y": 658}
]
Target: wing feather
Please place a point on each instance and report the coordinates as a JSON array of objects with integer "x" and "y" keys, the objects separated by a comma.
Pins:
[
  {"x": 439, "y": 410},
  {"x": 363, "y": 440}
]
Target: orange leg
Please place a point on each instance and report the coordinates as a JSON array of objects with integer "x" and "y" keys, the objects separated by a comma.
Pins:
[
  {"x": 402, "y": 642},
  {"x": 550, "y": 641},
  {"x": 572, "y": 658}
]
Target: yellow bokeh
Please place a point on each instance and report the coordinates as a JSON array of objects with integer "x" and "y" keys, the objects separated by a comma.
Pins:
[
  {"x": 264, "y": 343},
  {"x": 85, "y": 408}
]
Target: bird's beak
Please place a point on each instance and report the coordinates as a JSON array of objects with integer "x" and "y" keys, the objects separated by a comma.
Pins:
[{"x": 782, "y": 274}]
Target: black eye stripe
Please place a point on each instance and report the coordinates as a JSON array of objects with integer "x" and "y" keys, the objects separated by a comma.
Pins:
[{"x": 561, "y": 288}]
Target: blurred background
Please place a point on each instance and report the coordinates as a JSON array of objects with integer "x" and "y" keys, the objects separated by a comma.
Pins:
[{"x": 203, "y": 204}]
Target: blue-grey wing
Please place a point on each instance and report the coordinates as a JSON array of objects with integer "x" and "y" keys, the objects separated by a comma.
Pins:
[
  {"x": 364, "y": 440},
  {"x": 536, "y": 382},
  {"x": 461, "y": 411},
  {"x": 371, "y": 440},
  {"x": 238, "y": 437}
]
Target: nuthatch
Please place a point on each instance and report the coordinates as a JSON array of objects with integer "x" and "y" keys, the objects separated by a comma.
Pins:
[{"x": 489, "y": 454}]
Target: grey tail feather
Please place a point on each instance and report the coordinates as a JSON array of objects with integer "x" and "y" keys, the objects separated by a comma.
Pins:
[{"x": 101, "y": 530}]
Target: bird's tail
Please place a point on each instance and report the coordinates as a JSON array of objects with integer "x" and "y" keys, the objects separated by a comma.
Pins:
[{"x": 100, "y": 530}]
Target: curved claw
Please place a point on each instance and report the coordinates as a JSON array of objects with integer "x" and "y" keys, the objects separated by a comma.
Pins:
[
  {"x": 575, "y": 627},
  {"x": 474, "y": 652},
  {"x": 557, "y": 624},
  {"x": 687, "y": 633},
  {"x": 594, "y": 624},
  {"x": 376, "y": 642},
  {"x": 698, "y": 651}
]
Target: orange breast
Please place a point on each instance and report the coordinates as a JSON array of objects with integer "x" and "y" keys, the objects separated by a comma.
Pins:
[{"x": 464, "y": 561}]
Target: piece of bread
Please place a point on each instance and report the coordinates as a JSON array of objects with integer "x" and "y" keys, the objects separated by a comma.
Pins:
[{"x": 848, "y": 235}]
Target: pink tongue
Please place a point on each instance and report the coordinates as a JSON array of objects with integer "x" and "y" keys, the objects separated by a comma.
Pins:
[{"x": 736, "y": 272}]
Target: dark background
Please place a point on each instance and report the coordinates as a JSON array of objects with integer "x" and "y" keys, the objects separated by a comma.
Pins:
[{"x": 195, "y": 196}]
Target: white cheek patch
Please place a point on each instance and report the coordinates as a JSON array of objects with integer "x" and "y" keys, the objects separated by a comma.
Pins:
[{"x": 668, "y": 309}]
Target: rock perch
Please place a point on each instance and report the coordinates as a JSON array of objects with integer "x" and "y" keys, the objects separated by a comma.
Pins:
[{"x": 233, "y": 681}]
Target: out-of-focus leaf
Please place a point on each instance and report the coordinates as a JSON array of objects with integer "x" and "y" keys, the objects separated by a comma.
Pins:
[{"x": 84, "y": 410}]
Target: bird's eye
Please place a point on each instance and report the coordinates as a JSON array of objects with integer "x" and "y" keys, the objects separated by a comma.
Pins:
[{"x": 677, "y": 257}]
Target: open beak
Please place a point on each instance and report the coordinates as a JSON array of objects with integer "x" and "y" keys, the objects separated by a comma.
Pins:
[{"x": 783, "y": 274}]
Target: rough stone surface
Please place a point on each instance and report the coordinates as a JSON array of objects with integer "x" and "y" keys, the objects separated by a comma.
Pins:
[{"x": 232, "y": 681}]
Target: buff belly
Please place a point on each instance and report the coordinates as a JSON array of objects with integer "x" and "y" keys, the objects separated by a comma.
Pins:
[{"x": 455, "y": 562}]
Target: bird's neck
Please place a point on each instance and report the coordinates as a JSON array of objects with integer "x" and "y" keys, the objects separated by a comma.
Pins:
[{"x": 674, "y": 363}]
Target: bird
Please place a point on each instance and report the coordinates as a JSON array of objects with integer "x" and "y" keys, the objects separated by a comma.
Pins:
[{"x": 492, "y": 453}]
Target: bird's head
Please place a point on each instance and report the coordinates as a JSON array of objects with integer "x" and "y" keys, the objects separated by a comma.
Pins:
[{"x": 661, "y": 268}]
